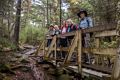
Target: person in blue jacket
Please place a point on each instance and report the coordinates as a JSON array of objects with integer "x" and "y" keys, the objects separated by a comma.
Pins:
[{"x": 85, "y": 22}]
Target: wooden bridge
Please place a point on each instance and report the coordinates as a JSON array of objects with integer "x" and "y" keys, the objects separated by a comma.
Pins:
[{"x": 103, "y": 59}]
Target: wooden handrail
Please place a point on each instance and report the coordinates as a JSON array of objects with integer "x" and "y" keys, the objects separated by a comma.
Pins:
[
  {"x": 89, "y": 30},
  {"x": 100, "y": 28},
  {"x": 100, "y": 51}
]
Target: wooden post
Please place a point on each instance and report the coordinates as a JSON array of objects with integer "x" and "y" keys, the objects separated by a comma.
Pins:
[
  {"x": 116, "y": 68},
  {"x": 51, "y": 47},
  {"x": 97, "y": 59},
  {"x": 97, "y": 42},
  {"x": 71, "y": 49},
  {"x": 97, "y": 45},
  {"x": 79, "y": 51},
  {"x": 39, "y": 48},
  {"x": 43, "y": 48}
]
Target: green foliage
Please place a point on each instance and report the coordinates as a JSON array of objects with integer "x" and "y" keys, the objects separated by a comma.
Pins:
[
  {"x": 112, "y": 44},
  {"x": 32, "y": 35},
  {"x": 6, "y": 43},
  {"x": 108, "y": 42}
]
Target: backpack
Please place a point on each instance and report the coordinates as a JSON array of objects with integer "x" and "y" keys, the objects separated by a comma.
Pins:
[
  {"x": 88, "y": 23},
  {"x": 74, "y": 27}
]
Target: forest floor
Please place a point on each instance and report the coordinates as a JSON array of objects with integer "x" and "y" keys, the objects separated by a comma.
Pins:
[{"x": 22, "y": 66}]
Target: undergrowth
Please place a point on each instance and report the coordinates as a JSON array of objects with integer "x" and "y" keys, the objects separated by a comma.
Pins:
[{"x": 32, "y": 35}]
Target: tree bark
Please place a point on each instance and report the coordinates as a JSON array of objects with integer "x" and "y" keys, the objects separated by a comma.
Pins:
[
  {"x": 60, "y": 12},
  {"x": 116, "y": 70},
  {"x": 47, "y": 14},
  {"x": 17, "y": 23}
]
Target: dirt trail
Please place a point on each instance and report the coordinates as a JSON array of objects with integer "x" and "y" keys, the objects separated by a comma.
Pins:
[{"x": 28, "y": 69}]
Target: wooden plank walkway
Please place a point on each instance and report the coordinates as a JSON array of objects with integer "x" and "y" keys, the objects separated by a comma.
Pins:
[{"x": 88, "y": 72}]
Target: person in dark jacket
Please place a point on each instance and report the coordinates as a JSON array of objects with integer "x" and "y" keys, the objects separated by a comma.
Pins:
[
  {"x": 50, "y": 35},
  {"x": 71, "y": 28},
  {"x": 57, "y": 31}
]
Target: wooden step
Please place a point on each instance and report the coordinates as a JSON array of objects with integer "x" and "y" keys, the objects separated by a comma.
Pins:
[{"x": 88, "y": 72}]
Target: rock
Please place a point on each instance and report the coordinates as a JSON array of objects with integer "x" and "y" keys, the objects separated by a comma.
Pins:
[
  {"x": 13, "y": 59},
  {"x": 24, "y": 57},
  {"x": 18, "y": 55},
  {"x": 30, "y": 51},
  {"x": 25, "y": 69},
  {"x": 7, "y": 49},
  {"x": 28, "y": 46}
]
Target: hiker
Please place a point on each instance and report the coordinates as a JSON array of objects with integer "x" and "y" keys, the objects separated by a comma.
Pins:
[
  {"x": 71, "y": 27},
  {"x": 50, "y": 35},
  {"x": 63, "y": 31},
  {"x": 85, "y": 22},
  {"x": 57, "y": 30},
  {"x": 63, "y": 39}
]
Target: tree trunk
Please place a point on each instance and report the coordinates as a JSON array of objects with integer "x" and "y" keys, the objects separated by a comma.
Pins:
[
  {"x": 116, "y": 71},
  {"x": 60, "y": 12},
  {"x": 47, "y": 14},
  {"x": 44, "y": 18},
  {"x": 17, "y": 23},
  {"x": 50, "y": 13}
]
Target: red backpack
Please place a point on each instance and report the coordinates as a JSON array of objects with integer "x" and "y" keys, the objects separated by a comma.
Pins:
[{"x": 76, "y": 27}]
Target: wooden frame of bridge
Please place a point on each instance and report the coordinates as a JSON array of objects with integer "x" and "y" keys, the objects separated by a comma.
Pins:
[{"x": 76, "y": 46}]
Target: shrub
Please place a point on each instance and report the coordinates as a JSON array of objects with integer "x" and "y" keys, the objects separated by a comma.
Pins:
[
  {"x": 6, "y": 43},
  {"x": 32, "y": 35}
]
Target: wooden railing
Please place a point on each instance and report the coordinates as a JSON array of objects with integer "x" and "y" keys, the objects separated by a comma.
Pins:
[{"x": 103, "y": 58}]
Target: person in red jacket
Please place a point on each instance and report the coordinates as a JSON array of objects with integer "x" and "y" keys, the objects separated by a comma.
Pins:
[{"x": 63, "y": 39}]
